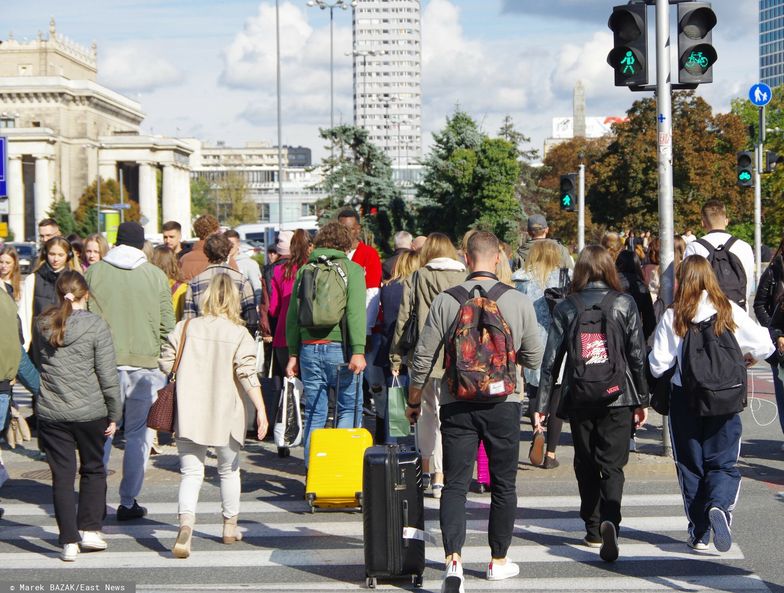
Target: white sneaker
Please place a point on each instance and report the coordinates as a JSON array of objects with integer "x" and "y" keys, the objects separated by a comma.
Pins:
[
  {"x": 722, "y": 536},
  {"x": 499, "y": 572},
  {"x": 697, "y": 545},
  {"x": 70, "y": 552},
  {"x": 92, "y": 540},
  {"x": 453, "y": 578},
  {"x": 437, "y": 489}
]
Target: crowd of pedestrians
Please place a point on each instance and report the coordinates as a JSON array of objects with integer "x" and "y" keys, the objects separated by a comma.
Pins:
[{"x": 586, "y": 341}]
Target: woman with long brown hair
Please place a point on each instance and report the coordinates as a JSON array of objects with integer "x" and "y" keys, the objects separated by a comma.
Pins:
[
  {"x": 600, "y": 432},
  {"x": 9, "y": 272},
  {"x": 78, "y": 408},
  {"x": 705, "y": 448},
  {"x": 164, "y": 258},
  {"x": 283, "y": 277}
]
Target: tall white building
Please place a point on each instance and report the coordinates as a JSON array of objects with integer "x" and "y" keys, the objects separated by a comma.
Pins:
[{"x": 388, "y": 76}]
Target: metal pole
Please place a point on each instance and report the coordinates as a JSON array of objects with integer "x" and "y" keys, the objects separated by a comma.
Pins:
[
  {"x": 364, "y": 91},
  {"x": 581, "y": 210},
  {"x": 331, "y": 71},
  {"x": 280, "y": 126},
  {"x": 664, "y": 104},
  {"x": 758, "y": 158},
  {"x": 122, "y": 210}
]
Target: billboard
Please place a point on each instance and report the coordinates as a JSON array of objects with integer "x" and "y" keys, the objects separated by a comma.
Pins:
[{"x": 595, "y": 127}]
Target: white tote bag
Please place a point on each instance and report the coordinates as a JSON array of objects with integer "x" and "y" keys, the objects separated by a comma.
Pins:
[{"x": 288, "y": 423}]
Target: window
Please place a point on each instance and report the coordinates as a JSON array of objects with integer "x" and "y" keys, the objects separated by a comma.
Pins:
[
  {"x": 308, "y": 210},
  {"x": 264, "y": 212},
  {"x": 7, "y": 122}
]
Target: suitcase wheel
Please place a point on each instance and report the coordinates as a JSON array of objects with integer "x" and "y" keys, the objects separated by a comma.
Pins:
[
  {"x": 417, "y": 580},
  {"x": 284, "y": 452},
  {"x": 370, "y": 582},
  {"x": 311, "y": 498},
  {"x": 358, "y": 496}
]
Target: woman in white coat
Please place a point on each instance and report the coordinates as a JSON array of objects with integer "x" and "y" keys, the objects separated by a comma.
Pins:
[
  {"x": 706, "y": 447},
  {"x": 218, "y": 360}
]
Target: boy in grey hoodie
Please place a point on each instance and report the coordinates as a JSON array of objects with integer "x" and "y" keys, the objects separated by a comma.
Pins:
[{"x": 134, "y": 298}]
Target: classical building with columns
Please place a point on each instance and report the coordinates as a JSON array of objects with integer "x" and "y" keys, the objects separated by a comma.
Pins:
[{"x": 64, "y": 129}]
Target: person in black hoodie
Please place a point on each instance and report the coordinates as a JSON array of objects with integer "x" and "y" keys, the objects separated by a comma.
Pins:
[
  {"x": 632, "y": 282},
  {"x": 768, "y": 304}
]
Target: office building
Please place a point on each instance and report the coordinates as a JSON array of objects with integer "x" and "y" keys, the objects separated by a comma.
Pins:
[{"x": 771, "y": 42}]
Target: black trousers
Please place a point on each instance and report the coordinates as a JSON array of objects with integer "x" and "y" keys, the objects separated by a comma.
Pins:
[
  {"x": 601, "y": 450},
  {"x": 463, "y": 425},
  {"x": 61, "y": 441}
]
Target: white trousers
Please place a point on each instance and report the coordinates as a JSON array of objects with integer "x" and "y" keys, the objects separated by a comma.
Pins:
[
  {"x": 192, "y": 458},
  {"x": 429, "y": 426}
]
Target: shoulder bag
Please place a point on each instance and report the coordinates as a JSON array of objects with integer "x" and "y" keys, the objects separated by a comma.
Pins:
[{"x": 163, "y": 411}]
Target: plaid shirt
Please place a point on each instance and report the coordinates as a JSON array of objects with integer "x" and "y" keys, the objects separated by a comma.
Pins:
[{"x": 198, "y": 286}]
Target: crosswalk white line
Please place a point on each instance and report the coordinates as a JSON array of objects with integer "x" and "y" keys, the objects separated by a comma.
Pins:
[
  {"x": 693, "y": 584},
  {"x": 260, "y": 557},
  {"x": 135, "y": 531},
  {"x": 300, "y": 506}
]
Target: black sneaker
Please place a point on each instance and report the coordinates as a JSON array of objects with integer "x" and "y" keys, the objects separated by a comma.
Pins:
[
  {"x": 609, "y": 549},
  {"x": 128, "y": 514}
]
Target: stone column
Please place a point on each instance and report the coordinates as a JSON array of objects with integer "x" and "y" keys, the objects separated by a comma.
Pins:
[
  {"x": 16, "y": 209},
  {"x": 148, "y": 198},
  {"x": 169, "y": 198},
  {"x": 42, "y": 188},
  {"x": 185, "y": 202},
  {"x": 107, "y": 170}
]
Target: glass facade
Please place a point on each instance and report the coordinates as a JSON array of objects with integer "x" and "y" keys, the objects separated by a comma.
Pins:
[{"x": 771, "y": 42}]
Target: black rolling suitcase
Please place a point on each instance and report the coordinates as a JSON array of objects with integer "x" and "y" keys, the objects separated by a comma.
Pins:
[{"x": 393, "y": 514}]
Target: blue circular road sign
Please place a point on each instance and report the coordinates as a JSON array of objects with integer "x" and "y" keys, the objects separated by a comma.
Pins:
[{"x": 760, "y": 94}]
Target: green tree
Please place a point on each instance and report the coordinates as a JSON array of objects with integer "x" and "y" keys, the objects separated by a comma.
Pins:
[
  {"x": 626, "y": 190},
  {"x": 86, "y": 212},
  {"x": 235, "y": 206},
  {"x": 61, "y": 212},
  {"x": 202, "y": 201},
  {"x": 360, "y": 175}
]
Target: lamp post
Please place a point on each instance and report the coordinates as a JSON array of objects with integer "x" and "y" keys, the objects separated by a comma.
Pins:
[
  {"x": 97, "y": 146},
  {"x": 280, "y": 125},
  {"x": 323, "y": 5},
  {"x": 364, "y": 53},
  {"x": 388, "y": 100}
]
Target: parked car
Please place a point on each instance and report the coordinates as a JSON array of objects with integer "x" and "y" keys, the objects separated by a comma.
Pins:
[{"x": 27, "y": 256}]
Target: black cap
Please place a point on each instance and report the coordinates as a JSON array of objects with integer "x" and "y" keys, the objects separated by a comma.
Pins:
[{"x": 130, "y": 233}]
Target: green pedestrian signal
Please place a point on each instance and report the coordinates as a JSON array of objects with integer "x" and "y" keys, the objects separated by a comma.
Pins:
[
  {"x": 568, "y": 186},
  {"x": 628, "y": 63},
  {"x": 744, "y": 168}
]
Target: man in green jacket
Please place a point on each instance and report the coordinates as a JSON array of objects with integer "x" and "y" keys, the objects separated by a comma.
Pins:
[
  {"x": 134, "y": 298},
  {"x": 10, "y": 353},
  {"x": 317, "y": 354}
]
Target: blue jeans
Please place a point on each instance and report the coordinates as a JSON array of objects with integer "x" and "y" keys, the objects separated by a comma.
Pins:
[
  {"x": 778, "y": 388},
  {"x": 321, "y": 366},
  {"x": 28, "y": 375},
  {"x": 5, "y": 402}
]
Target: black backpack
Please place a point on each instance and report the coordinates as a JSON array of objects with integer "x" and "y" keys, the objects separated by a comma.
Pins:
[
  {"x": 556, "y": 294},
  {"x": 597, "y": 358},
  {"x": 713, "y": 373},
  {"x": 728, "y": 269}
]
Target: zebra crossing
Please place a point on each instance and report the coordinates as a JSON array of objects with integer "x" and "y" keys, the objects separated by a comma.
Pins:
[{"x": 285, "y": 548}]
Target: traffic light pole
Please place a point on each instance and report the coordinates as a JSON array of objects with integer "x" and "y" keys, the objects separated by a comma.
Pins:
[
  {"x": 581, "y": 210},
  {"x": 758, "y": 159},
  {"x": 666, "y": 226}
]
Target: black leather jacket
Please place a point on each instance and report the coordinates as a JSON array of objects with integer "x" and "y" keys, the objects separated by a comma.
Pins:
[
  {"x": 770, "y": 293},
  {"x": 625, "y": 312}
]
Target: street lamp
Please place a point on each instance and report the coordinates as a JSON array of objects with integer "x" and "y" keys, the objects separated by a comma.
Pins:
[
  {"x": 388, "y": 100},
  {"x": 97, "y": 147},
  {"x": 364, "y": 53},
  {"x": 323, "y": 5}
]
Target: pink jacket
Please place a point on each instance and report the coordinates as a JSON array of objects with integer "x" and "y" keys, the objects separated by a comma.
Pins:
[{"x": 279, "y": 303}]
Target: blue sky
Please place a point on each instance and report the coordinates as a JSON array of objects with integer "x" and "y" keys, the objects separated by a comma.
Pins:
[{"x": 206, "y": 68}]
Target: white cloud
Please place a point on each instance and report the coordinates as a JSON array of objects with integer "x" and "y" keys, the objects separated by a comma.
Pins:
[{"x": 134, "y": 68}]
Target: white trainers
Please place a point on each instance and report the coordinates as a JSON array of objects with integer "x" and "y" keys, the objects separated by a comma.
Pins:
[
  {"x": 92, "y": 540},
  {"x": 453, "y": 578},
  {"x": 697, "y": 545},
  {"x": 499, "y": 572},
  {"x": 70, "y": 552}
]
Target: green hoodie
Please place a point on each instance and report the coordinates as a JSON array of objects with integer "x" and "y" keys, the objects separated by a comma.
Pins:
[
  {"x": 10, "y": 349},
  {"x": 355, "y": 309}
]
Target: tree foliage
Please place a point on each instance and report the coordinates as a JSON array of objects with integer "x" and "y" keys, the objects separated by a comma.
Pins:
[
  {"x": 202, "y": 201},
  {"x": 233, "y": 201},
  {"x": 61, "y": 212},
  {"x": 360, "y": 176},
  {"x": 86, "y": 212},
  {"x": 470, "y": 181}
]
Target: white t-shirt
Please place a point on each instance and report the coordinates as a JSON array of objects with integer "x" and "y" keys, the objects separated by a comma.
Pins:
[{"x": 740, "y": 248}]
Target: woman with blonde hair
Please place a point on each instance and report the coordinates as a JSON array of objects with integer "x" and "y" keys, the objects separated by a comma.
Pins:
[
  {"x": 9, "y": 272},
  {"x": 164, "y": 258},
  {"x": 95, "y": 249},
  {"x": 38, "y": 289},
  {"x": 705, "y": 447},
  {"x": 439, "y": 270},
  {"x": 542, "y": 271},
  {"x": 613, "y": 243},
  {"x": 218, "y": 360}
]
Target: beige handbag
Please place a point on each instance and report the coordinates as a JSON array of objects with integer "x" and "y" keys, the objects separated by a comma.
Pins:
[{"x": 18, "y": 430}]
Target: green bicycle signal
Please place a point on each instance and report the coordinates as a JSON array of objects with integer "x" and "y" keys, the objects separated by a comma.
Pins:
[{"x": 744, "y": 176}]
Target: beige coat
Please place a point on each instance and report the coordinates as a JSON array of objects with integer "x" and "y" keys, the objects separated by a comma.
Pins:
[{"x": 219, "y": 359}]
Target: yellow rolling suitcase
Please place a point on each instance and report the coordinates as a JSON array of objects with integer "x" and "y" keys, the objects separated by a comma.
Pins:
[{"x": 335, "y": 465}]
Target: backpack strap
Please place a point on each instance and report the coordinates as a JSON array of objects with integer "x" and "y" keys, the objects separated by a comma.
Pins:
[
  {"x": 460, "y": 294},
  {"x": 710, "y": 248},
  {"x": 498, "y": 290},
  {"x": 730, "y": 242},
  {"x": 577, "y": 301},
  {"x": 608, "y": 300},
  {"x": 341, "y": 272}
]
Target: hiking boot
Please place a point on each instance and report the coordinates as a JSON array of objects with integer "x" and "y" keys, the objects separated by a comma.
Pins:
[
  {"x": 130, "y": 513},
  {"x": 453, "y": 578},
  {"x": 499, "y": 572},
  {"x": 722, "y": 536},
  {"x": 92, "y": 541},
  {"x": 609, "y": 549}
]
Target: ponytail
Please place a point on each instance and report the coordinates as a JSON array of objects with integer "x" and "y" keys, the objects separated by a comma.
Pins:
[{"x": 71, "y": 286}]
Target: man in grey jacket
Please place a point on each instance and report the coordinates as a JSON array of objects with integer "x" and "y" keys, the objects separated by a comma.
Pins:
[{"x": 496, "y": 422}]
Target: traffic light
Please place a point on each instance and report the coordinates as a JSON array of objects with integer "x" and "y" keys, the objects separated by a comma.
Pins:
[
  {"x": 745, "y": 175},
  {"x": 629, "y": 56},
  {"x": 696, "y": 54},
  {"x": 772, "y": 160},
  {"x": 568, "y": 191}
]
